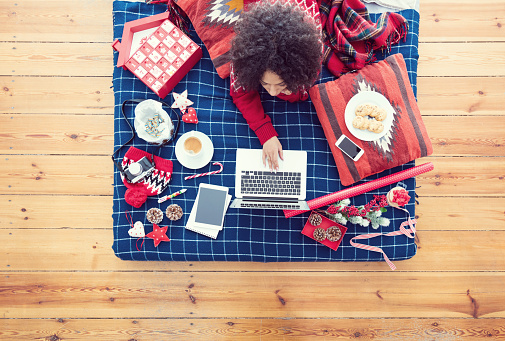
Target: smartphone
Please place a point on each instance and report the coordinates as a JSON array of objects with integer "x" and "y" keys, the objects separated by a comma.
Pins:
[{"x": 349, "y": 148}]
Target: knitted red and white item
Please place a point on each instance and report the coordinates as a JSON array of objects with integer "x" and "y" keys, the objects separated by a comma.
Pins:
[{"x": 153, "y": 184}]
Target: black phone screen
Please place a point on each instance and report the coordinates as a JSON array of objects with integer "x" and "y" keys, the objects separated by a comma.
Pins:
[{"x": 349, "y": 147}]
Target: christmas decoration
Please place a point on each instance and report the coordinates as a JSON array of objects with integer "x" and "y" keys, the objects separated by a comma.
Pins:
[
  {"x": 152, "y": 184},
  {"x": 181, "y": 101},
  {"x": 207, "y": 173},
  {"x": 137, "y": 230},
  {"x": 190, "y": 116},
  {"x": 362, "y": 188},
  {"x": 371, "y": 213},
  {"x": 398, "y": 196},
  {"x": 159, "y": 234},
  {"x": 160, "y": 59},
  {"x": 315, "y": 219},
  {"x": 319, "y": 234},
  {"x": 333, "y": 233},
  {"x": 328, "y": 232},
  {"x": 154, "y": 215},
  {"x": 174, "y": 212}
]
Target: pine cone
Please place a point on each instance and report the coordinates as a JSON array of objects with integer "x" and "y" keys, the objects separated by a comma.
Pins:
[
  {"x": 333, "y": 233},
  {"x": 315, "y": 219},
  {"x": 174, "y": 212},
  {"x": 319, "y": 234},
  {"x": 154, "y": 215}
]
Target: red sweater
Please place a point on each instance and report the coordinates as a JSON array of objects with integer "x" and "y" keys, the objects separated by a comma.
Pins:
[{"x": 249, "y": 104}]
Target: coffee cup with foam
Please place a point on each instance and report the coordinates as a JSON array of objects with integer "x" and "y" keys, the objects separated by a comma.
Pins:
[{"x": 193, "y": 146}]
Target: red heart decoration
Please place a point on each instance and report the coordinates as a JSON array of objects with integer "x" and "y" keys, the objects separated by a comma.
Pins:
[{"x": 190, "y": 116}]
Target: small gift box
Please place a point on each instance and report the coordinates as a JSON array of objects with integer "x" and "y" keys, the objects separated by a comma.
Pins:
[
  {"x": 157, "y": 52},
  {"x": 324, "y": 230}
]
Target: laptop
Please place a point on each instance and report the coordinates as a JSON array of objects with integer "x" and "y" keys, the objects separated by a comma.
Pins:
[{"x": 256, "y": 186}]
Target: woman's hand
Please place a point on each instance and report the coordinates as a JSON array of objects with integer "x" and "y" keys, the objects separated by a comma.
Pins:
[{"x": 271, "y": 149}]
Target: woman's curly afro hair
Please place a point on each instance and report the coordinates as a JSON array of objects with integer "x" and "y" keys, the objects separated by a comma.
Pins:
[{"x": 276, "y": 38}]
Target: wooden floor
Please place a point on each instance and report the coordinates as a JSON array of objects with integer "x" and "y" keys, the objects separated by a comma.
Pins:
[{"x": 59, "y": 279}]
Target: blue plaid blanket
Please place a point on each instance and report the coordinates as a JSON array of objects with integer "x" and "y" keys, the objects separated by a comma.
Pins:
[{"x": 248, "y": 235}]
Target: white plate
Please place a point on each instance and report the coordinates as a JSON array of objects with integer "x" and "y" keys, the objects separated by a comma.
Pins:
[
  {"x": 205, "y": 155},
  {"x": 370, "y": 97}
]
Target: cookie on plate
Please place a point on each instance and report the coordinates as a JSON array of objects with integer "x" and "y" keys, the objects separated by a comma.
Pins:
[
  {"x": 380, "y": 114},
  {"x": 360, "y": 122},
  {"x": 376, "y": 126},
  {"x": 364, "y": 109}
]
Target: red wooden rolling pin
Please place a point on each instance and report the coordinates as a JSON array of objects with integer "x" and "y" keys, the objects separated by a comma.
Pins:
[{"x": 363, "y": 188}]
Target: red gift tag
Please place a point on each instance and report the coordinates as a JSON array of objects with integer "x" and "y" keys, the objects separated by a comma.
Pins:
[{"x": 308, "y": 230}]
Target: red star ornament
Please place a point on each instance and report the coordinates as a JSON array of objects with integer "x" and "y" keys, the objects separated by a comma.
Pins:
[
  {"x": 190, "y": 116},
  {"x": 159, "y": 235}
]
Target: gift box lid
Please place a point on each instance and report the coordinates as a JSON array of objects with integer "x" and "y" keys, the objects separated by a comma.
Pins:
[{"x": 134, "y": 34}]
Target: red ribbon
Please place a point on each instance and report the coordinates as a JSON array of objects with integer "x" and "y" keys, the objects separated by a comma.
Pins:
[{"x": 402, "y": 230}]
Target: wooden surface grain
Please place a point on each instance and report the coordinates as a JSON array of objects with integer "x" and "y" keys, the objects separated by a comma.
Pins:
[{"x": 59, "y": 278}]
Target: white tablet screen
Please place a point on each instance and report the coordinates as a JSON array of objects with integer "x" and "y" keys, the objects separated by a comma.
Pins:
[{"x": 210, "y": 206}]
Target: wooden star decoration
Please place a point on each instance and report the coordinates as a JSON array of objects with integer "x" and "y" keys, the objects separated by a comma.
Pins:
[
  {"x": 159, "y": 235},
  {"x": 181, "y": 101}
]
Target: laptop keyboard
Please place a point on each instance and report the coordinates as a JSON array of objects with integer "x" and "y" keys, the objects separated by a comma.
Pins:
[
  {"x": 267, "y": 205},
  {"x": 274, "y": 183}
]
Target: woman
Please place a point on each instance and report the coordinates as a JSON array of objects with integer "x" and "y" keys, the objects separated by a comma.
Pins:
[{"x": 278, "y": 47}]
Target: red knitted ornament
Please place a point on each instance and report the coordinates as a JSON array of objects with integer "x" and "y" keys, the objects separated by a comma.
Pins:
[
  {"x": 135, "y": 197},
  {"x": 153, "y": 184}
]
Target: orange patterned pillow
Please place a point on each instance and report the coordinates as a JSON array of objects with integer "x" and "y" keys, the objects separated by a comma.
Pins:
[
  {"x": 404, "y": 139},
  {"x": 213, "y": 21}
]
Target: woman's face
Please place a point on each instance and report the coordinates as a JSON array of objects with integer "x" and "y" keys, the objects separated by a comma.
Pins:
[{"x": 274, "y": 84}]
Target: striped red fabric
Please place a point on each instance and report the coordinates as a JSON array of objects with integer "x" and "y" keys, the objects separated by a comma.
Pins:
[{"x": 407, "y": 138}]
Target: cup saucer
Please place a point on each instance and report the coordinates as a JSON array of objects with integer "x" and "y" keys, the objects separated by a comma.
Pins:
[{"x": 202, "y": 159}]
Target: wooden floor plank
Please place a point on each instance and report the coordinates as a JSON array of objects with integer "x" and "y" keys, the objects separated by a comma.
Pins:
[
  {"x": 472, "y": 176},
  {"x": 81, "y": 134},
  {"x": 442, "y": 21},
  {"x": 90, "y": 250},
  {"x": 56, "y": 20},
  {"x": 56, "y": 134},
  {"x": 34, "y": 212},
  {"x": 461, "y": 59},
  {"x": 437, "y": 96},
  {"x": 252, "y": 329},
  {"x": 50, "y": 174},
  {"x": 252, "y": 294},
  {"x": 56, "y": 59},
  {"x": 58, "y": 174},
  {"x": 95, "y": 59},
  {"x": 453, "y": 213},
  {"x": 484, "y": 136},
  {"x": 474, "y": 96},
  {"x": 56, "y": 95}
]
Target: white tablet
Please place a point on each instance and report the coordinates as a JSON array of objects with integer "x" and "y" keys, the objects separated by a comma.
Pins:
[{"x": 211, "y": 206}]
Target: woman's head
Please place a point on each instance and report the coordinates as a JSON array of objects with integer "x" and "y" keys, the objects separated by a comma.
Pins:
[{"x": 279, "y": 40}]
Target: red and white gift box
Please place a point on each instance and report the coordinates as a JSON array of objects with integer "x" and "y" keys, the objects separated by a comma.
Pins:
[{"x": 157, "y": 52}]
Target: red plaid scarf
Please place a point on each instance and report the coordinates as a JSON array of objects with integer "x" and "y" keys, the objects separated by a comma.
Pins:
[{"x": 350, "y": 37}]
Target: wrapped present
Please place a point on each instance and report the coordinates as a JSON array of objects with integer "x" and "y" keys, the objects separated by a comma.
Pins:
[{"x": 157, "y": 52}]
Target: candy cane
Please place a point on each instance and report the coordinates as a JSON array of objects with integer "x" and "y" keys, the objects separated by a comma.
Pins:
[{"x": 208, "y": 173}]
